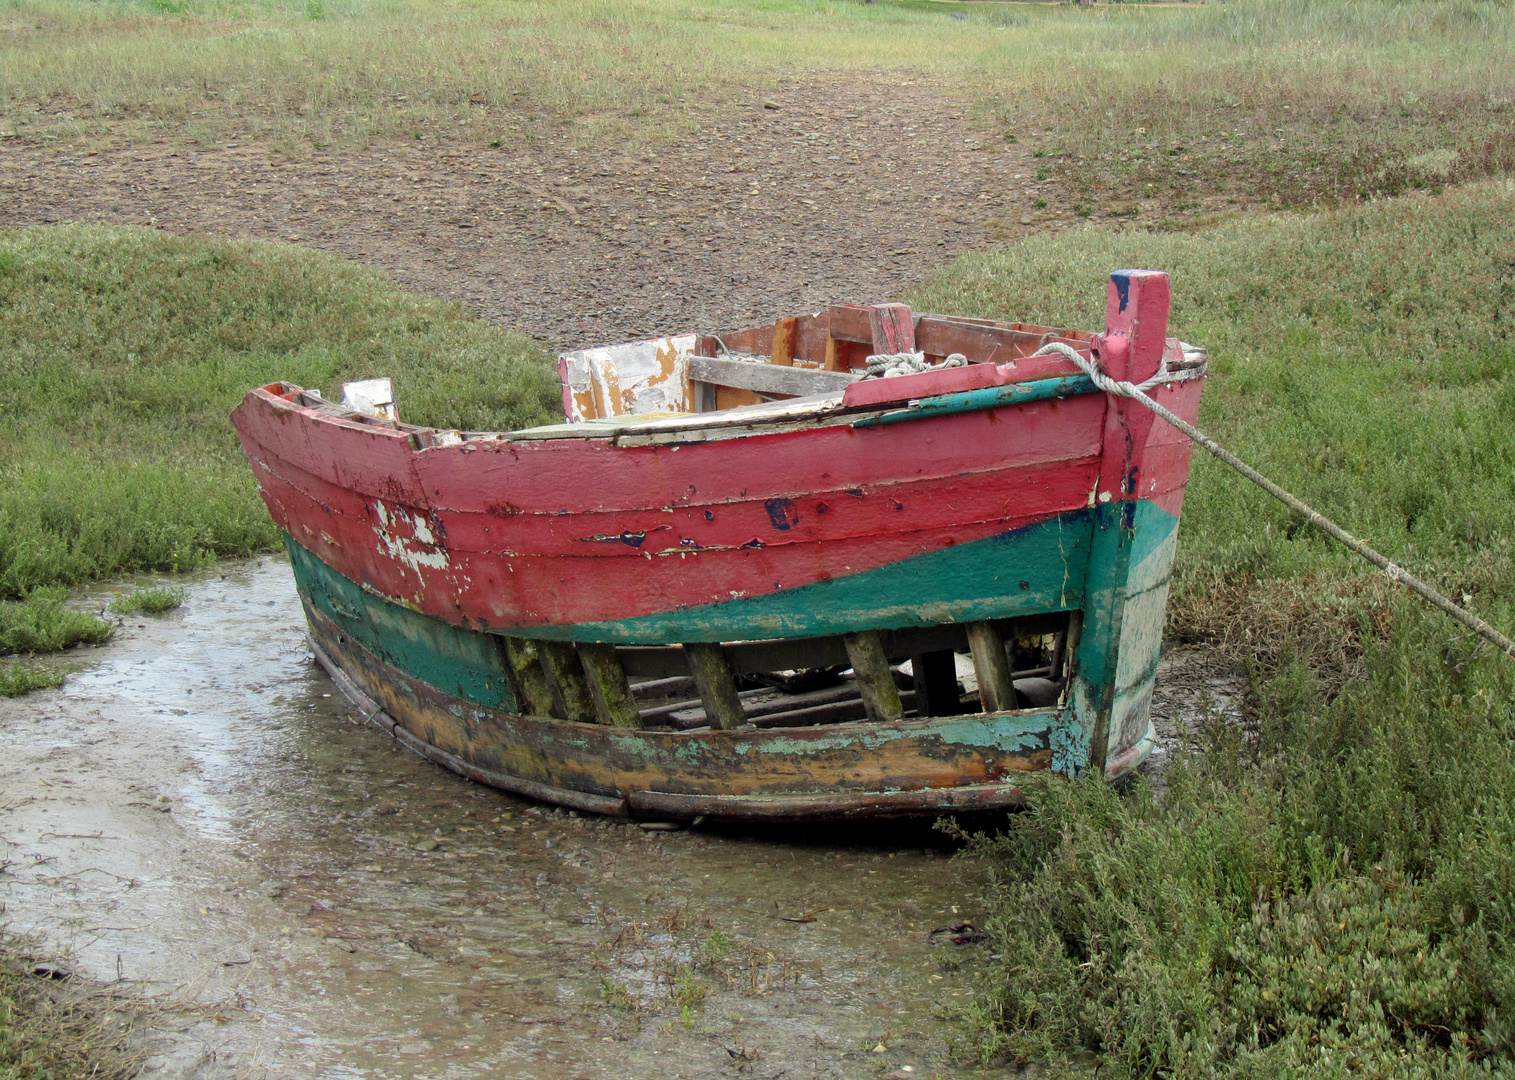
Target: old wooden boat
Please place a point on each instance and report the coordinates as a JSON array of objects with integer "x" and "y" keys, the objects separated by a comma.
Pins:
[{"x": 747, "y": 580}]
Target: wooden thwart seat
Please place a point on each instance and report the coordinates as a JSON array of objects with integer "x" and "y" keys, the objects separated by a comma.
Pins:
[{"x": 763, "y": 378}]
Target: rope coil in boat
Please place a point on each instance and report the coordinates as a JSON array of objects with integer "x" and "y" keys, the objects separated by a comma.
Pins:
[{"x": 889, "y": 365}]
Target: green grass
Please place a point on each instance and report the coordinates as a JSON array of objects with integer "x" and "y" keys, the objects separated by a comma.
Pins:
[
  {"x": 16, "y": 679},
  {"x": 42, "y": 622},
  {"x": 123, "y": 350},
  {"x": 150, "y": 600},
  {"x": 1292, "y": 100},
  {"x": 1327, "y": 892}
]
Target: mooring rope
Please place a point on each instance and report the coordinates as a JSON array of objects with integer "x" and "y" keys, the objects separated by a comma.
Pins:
[{"x": 1397, "y": 573}]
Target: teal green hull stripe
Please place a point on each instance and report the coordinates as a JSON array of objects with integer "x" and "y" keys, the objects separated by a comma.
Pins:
[
  {"x": 1040, "y": 568},
  {"x": 1033, "y": 569},
  {"x": 464, "y": 663}
]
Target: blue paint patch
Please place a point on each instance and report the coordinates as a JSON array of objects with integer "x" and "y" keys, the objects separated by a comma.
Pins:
[
  {"x": 630, "y": 539},
  {"x": 1122, "y": 280},
  {"x": 782, "y": 513}
]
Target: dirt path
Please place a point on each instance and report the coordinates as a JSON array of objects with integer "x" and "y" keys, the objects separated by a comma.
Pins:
[{"x": 846, "y": 191}]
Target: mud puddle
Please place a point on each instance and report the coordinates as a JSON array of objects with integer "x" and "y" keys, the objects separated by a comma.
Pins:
[{"x": 199, "y": 811}]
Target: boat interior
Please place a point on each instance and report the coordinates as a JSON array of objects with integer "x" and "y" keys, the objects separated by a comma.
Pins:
[
  {"x": 947, "y": 670},
  {"x": 803, "y": 357}
]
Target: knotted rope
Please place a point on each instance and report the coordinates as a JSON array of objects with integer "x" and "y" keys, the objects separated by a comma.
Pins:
[
  {"x": 1395, "y": 572},
  {"x": 888, "y": 365}
]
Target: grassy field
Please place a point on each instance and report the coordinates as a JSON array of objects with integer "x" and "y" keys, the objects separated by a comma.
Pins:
[
  {"x": 122, "y": 352},
  {"x": 1329, "y": 891},
  {"x": 1290, "y": 100},
  {"x": 1326, "y": 892}
]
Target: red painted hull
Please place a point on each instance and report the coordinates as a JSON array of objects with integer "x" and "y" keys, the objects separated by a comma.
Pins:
[{"x": 518, "y": 532}]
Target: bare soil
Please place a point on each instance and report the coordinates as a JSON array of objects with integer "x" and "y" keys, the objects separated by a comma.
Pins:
[{"x": 815, "y": 192}]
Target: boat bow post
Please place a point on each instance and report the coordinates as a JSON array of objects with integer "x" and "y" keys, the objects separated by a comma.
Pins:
[{"x": 1131, "y": 547}]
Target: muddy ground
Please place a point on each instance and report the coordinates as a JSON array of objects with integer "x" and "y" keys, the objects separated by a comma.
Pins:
[
  {"x": 843, "y": 191},
  {"x": 200, "y": 813}
]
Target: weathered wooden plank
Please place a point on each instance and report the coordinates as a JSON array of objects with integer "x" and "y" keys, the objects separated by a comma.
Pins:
[
  {"x": 783, "y": 341},
  {"x": 874, "y": 679},
  {"x": 995, "y": 496},
  {"x": 756, "y": 340},
  {"x": 841, "y": 805},
  {"x": 903, "y": 755},
  {"x": 996, "y": 687},
  {"x": 797, "y": 654},
  {"x": 712, "y": 677},
  {"x": 613, "y": 702},
  {"x": 523, "y": 665},
  {"x": 936, "y": 683},
  {"x": 810, "y": 337},
  {"x": 767, "y": 378},
  {"x": 938, "y": 336},
  {"x": 570, "y": 690},
  {"x": 891, "y": 328},
  {"x": 762, "y": 701},
  {"x": 850, "y": 322}
]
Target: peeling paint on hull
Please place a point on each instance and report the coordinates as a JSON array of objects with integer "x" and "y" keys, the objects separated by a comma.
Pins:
[{"x": 420, "y": 554}]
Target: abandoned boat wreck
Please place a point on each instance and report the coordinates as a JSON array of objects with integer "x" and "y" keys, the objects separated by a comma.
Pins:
[{"x": 862, "y": 562}]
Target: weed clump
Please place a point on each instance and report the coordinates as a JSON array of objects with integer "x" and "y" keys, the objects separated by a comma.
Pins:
[
  {"x": 17, "y": 678},
  {"x": 43, "y": 623},
  {"x": 151, "y": 600},
  {"x": 62, "y": 1028},
  {"x": 1327, "y": 892}
]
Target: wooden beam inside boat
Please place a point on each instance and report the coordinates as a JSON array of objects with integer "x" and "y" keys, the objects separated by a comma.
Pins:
[
  {"x": 783, "y": 341},
  {"x": 875, "y": 681},
  {"x": 996, "y": 685},
  {"x": 522, "y": 661},
  {"x": 790, "y": 654},
  {"x": 766, "y": 378},
  {"x": 613, "y": 701},
  {"x": 570, "y": 690},
  {"x": 712, "y": 677},
  {"x": 891, "y": 328}
]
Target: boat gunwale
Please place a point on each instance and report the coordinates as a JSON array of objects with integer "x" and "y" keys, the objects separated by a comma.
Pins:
[{"x": 769, "y": 417}]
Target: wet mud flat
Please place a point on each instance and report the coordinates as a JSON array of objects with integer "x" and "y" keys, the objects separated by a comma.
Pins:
[{"x": 200, "y": 813}]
